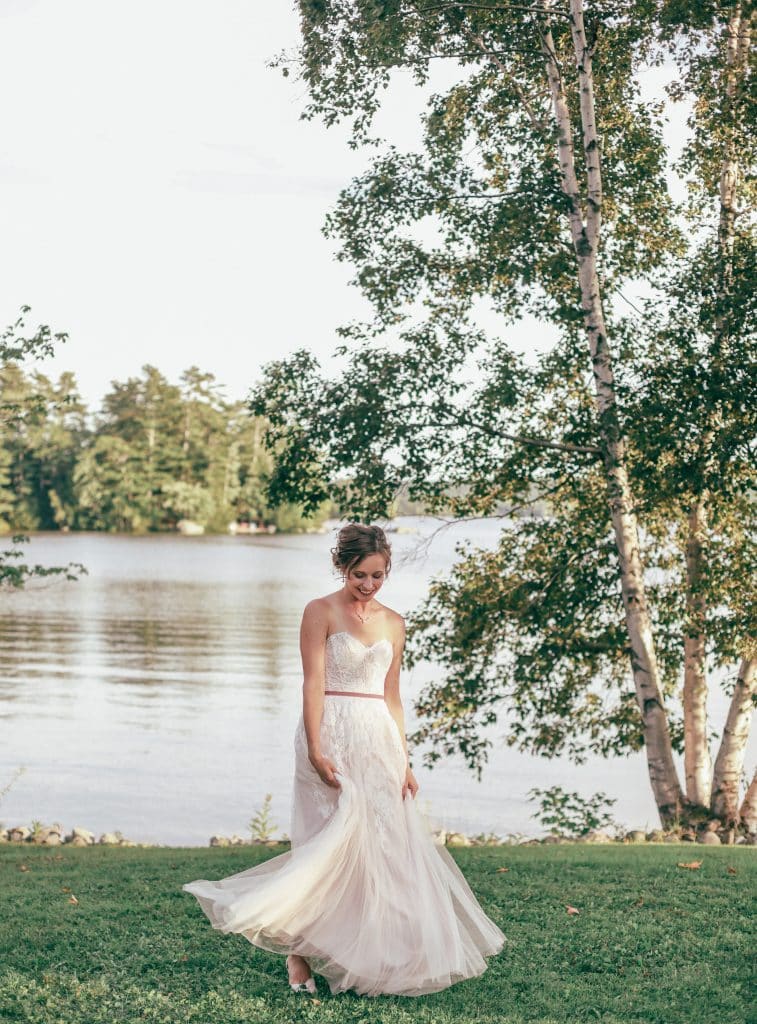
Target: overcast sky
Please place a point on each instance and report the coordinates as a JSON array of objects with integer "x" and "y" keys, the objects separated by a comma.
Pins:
[{"x": 161, "y": 200}]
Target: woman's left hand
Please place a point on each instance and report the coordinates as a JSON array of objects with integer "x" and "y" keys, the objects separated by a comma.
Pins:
[{"x": 409, "y": 785}]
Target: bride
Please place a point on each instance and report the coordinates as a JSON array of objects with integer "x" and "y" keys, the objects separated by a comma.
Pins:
[{"x": 364, "y": 897}]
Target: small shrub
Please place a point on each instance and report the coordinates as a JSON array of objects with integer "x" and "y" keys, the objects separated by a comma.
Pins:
[
  {"x": 487, "y": 838},
  {"x": 513, "y": 838},
  {"x": 570, "y": 814},
  {"x": 260, "y": 825}
]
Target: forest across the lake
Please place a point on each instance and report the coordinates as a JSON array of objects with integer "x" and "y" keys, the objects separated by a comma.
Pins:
[{"x": 154, "y": 455}]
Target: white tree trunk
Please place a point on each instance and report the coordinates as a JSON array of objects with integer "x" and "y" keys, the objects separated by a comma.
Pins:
[
  {"x": 585, "y": 232},
  {"x": 737, "y": 53},
  {"x": 696, "y": 760},
  {"x": 748, "y": 811},
  {"x": 730, "y": 760}
]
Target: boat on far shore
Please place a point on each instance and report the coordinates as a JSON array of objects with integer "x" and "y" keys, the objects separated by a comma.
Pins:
[{"x": 248, "y": 528}]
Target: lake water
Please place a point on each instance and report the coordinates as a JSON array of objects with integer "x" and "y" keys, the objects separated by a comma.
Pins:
[{"x": 159, "y": 694}]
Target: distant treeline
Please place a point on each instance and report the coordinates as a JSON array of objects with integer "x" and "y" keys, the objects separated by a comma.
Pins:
[{"x": 154, "y": 454}]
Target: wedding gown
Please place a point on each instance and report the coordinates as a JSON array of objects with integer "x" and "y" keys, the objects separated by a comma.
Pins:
[{"x": 365, "y": 894}]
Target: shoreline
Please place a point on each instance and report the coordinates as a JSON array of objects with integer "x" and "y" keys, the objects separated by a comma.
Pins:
[{"x": 55, "y": 836}]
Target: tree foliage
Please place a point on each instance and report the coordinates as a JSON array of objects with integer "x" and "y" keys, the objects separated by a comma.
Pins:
[
  {"x": 155, "y": 453},
  {"x": 24, "y": 407},
  {"x": 495, "y": 215}
]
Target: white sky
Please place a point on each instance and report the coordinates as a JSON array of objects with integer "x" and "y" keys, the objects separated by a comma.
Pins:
[{"x": 160, "y": 198}]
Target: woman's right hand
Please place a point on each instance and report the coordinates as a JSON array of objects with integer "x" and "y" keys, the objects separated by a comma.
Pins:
[{"x": 326, "y": 769}]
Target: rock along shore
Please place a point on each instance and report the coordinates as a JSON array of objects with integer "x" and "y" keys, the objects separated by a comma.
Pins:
[{"x": 711, "y": 835}]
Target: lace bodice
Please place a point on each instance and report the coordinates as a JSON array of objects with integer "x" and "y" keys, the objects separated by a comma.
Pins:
[{"x": 353, "y": 665}]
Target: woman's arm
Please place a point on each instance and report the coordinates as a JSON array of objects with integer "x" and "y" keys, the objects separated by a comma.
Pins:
[
  {"x": 392, "y": 685},
  {"x": 313, "y": 634}
]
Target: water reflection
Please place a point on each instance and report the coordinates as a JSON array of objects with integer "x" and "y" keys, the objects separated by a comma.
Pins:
[{"x": 159, "y": 694}]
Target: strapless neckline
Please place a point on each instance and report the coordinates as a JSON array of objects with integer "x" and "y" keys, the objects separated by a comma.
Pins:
[{"x": 368, "y": 647}]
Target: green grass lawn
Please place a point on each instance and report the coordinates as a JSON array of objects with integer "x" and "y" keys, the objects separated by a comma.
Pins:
[{"x": 652, "y": 942}]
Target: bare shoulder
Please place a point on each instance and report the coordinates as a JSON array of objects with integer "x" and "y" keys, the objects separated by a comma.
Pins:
[
  {"x": 395, "y": 624},
  {"x": 316, "y": 614}
]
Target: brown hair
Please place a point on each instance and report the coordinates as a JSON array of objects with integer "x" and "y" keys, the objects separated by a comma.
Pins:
[{"x": 355, "y": 541}]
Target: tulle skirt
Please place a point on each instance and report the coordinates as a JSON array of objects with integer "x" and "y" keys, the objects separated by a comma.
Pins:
[{"x": 375, "y": 909}]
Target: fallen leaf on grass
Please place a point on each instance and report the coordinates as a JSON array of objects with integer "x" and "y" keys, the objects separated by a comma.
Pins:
[
  {"x": 693, "y": 865},
  {"x": 23, "y": 867},
  {"x": 72, "y": 899},
  {"x": 639, "y": 902},
  {"x": 572, "y": 910},
  {"x": 65, "y": 888},
  {"x": 730, "y": 870},
  {"x": 502, "y": 869}
]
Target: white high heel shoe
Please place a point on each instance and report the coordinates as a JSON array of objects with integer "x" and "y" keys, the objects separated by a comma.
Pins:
[{"x": 302, "y": 986}]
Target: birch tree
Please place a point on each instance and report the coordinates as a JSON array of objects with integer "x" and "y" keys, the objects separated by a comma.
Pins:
[
  {"x": 720, "y": 156},
  {"x": 543, "y": 173}
]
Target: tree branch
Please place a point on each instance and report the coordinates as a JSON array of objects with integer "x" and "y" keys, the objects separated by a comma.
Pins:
[
  {"x": 536, "y": 121},
  {"x": 446, "y": 523},
  {"x": 440, "y": 8},
  {"x": 566, "y": 155},
  {"x": 489, "y": 196},
  {"x": 519, "y": 438}
]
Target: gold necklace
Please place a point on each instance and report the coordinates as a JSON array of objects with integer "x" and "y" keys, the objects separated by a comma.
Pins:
[{"x": 363, "y": 618}]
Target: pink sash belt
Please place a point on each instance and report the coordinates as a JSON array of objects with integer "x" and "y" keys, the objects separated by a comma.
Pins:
[{"x": 353, "y": 693}]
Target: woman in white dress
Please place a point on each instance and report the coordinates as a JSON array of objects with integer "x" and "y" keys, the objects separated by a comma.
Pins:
[{"x": 365, "y": 897}]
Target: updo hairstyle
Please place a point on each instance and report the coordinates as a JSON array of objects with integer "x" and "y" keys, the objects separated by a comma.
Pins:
[{"x": 354, "y": 542}]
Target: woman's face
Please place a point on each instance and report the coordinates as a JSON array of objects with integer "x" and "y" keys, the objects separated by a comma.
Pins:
[{"x": 366, "y": 578}]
